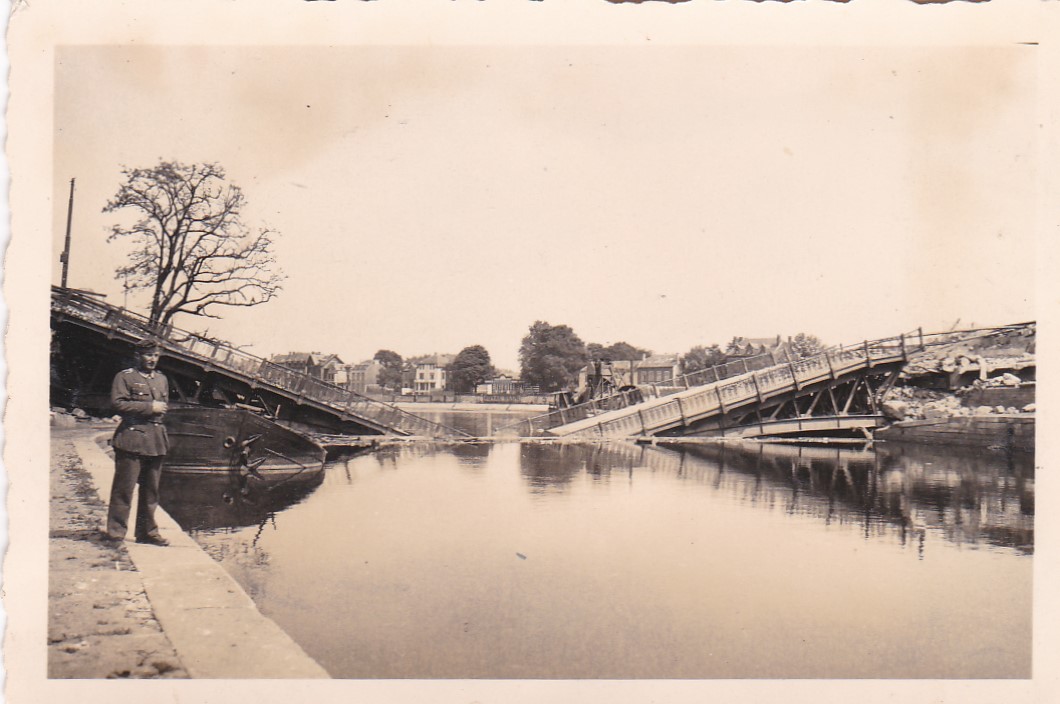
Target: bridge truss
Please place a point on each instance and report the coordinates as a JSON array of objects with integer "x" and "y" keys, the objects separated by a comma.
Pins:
[
  {"x": 837, "y": 390},
  {"x": 92, "y": 341}
]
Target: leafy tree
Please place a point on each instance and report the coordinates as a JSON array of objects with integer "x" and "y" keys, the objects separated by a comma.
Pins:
[
  {"x": 191, "y": 249},
  {"x": 551, "y": 356},
  {"x": 700, "y": 357},
  {"x": 471, "y": 367},
  {"x": 734, "y": 347},
  {"x": 390, "y": 376},
  {"x": 615, "y": 352},
  {"x": 803, "y": 345}
]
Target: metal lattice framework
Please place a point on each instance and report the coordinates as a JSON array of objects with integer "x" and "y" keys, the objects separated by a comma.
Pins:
[
  {"x": 195, "y": 364},
  {"x": 836, "y": 390}
]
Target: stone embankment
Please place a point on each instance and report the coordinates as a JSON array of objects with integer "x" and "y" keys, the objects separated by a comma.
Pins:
[
  {"x": 100, "y": 623},
  {"x": 141, "y": 611}
]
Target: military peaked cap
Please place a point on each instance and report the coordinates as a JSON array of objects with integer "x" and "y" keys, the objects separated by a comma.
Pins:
[{"x": 148, "y": 345}]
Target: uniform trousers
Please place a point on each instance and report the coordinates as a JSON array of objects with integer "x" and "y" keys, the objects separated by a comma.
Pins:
[{"x": 129, "y": 470}]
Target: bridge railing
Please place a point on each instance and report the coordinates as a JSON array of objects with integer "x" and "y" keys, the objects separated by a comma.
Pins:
[
  {"x": 760, "y": 375},
  {"x": 717, "y": 397},
  {"x": 537, "y": 425},
  {"x": 260, "y": 370},
  {"x": 729, "y": 369}
]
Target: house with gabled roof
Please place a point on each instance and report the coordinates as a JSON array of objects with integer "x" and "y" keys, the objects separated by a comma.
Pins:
[
  {"x": 741, "y": 347},
  {"x": 304, "y": 362},
  {"x": 314, "y": 364},
  {"x": 431, "y": 372},
  {"x": 332, "y": 370}
]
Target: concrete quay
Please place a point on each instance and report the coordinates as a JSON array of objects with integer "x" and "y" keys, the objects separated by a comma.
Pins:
[{"x": 142, "y": 611}]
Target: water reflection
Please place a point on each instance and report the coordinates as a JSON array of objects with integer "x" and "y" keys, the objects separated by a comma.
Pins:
[
  {"x": 224, "y": 503},
  {"x": 552, "y": 467},
  {"x": 472, "y": 454},
  {"x": 478, "y": 423},
  {"x": 624, "y": 561},
  {"x": 969, "y": 497}
]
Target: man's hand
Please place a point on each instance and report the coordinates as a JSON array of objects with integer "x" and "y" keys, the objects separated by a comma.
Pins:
[{"x": 159, "y": 407}]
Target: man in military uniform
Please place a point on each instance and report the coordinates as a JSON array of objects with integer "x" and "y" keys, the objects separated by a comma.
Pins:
[{"x": 141, "y": 396}]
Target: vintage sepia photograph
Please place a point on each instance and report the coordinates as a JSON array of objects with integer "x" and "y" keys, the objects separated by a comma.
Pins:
[{"x": 540, "y": 361}]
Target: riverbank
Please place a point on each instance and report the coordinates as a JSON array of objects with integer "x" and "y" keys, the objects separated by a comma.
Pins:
[
  {"x": 100, "y": 622},
  {"x": 1001, "y": 431},
  {"x": 412, "y": 407},
  {"x": 140, "y": 611}
]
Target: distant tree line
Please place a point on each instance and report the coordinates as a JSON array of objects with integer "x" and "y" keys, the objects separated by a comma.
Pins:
[{"x": 551, "y": 357}]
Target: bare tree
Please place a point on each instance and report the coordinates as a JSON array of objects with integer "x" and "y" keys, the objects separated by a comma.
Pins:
[{"x": 191, "y": 249}]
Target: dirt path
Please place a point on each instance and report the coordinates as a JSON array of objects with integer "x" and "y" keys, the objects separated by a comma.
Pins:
[{"x": 100, "y": 623}]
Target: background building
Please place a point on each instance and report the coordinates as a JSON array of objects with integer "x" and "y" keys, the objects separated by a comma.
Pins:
[
  {"x": 363, "y": 375},
  {"x": 430, "y": 373}
]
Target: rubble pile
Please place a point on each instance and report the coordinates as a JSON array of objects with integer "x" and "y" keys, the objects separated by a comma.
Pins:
[
  {"x": 1010, "y": 350},
  {"x": 1003, "y": 380},
  {"x": 910, "y": 403},
  {"x": 68, "y": 418},
  {"x": 992, "y": 358}
]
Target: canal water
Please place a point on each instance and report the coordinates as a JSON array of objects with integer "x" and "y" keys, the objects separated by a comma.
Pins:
[{"x": 527, "y": 560}]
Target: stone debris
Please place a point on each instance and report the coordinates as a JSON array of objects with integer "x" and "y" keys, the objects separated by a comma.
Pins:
[
  {"x": 1003, "y": 380},
  {"x": 62, "y": 420},
  {"x": 69, "y": 418},
  {"x": 995, "y": 359},
  {"x": 1010, "y": 350},
  {"x": 911, "y": 403}
]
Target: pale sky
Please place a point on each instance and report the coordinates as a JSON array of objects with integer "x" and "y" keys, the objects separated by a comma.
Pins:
[{"x": 431, "y": 198}]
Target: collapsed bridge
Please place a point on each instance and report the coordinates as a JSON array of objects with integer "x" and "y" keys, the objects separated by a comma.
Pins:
[
  {"x": 838, "y": 391},
  {"x": 92, "y": 341}
]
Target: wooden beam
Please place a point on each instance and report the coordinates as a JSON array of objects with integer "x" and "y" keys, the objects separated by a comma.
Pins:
[
  {"x": 872, "y": 395},
  {"x": 850, "y": 398},
  {"x": 816, "y": 398},
  {"x": 886, "y": 386}
]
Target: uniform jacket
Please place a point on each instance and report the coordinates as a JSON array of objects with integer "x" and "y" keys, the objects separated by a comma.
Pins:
[{"x": 140, "y": 431}]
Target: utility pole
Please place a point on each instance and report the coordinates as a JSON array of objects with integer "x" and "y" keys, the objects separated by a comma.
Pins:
[{"x": 65, "y": 258}]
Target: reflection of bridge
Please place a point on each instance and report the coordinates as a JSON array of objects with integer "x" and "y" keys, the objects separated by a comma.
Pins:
[
  {"x": 838, "y": 390},
  {"x": 90, "y": 338},
  {"x": 967, "y": 497}
]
